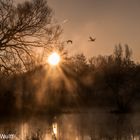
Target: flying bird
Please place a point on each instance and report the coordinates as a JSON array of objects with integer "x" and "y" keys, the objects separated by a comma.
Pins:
[
  {"x": 69, "y": 41},
  {"x": 92, "y": 39}
]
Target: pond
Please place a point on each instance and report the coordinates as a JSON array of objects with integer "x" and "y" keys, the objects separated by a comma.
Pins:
[{"x": 74, "y": 126}]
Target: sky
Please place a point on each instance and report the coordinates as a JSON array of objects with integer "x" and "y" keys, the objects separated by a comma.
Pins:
[{"x": 110, "y": 21}]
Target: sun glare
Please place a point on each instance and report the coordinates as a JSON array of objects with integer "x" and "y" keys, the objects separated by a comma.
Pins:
[{"x": 54, "y": 59}]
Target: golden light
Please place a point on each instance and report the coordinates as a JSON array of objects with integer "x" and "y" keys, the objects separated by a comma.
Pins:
[
  {"x": 54, "y": 59},
  {"x": 55, "y": 128}
]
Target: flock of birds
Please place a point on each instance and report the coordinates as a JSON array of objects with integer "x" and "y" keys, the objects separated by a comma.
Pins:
[{"x": 90, "y": 39}]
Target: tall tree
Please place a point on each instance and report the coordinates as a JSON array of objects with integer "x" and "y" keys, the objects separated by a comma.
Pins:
[{"x": 23, "y": 27}]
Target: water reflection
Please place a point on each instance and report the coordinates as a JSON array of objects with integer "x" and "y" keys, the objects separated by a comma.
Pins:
[{"x": 82, "y": 126}]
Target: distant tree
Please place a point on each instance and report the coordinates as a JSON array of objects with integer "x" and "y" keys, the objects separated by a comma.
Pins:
[
  {"x": 24, "y": 28},
  {"x": 118, "y": 54},
  {"x": 115, "y": 78},
  {"x": 119, "y": 76},
  {"x": 79, "y": 63}
]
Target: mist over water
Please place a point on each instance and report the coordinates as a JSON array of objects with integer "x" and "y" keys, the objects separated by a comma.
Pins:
[
  {"x": 76, "y": 126},
  {"x": 48, "y": 94}
]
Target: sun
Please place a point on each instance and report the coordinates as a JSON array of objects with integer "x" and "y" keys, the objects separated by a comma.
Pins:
[{"x": 54, "y": 59}]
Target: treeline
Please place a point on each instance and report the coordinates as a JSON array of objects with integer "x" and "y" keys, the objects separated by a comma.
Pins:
[{"x": 105, "y": 81}]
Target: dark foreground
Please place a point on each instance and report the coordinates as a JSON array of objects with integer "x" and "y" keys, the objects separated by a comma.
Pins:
[{"x": 73, "y": 126}]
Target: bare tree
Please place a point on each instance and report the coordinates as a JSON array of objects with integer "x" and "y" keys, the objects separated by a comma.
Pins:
[{"x": 23, "y": 28}]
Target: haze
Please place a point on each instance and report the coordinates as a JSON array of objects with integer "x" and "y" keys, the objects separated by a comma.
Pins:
[{"x": 110, "y": 21}]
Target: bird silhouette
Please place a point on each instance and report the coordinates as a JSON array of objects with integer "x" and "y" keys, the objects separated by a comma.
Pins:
[
  {"x": 69, "y": 41},
  {"x": 92, "y": 39}
]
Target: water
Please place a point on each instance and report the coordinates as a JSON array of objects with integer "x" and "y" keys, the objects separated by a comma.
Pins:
[{"x": 80, "y": 126}]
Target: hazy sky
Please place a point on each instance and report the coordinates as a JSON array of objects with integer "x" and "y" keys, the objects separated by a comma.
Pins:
[{"x": 110, "y": 21}]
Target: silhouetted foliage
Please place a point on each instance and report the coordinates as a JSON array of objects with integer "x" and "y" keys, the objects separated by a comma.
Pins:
[
  {"x": 104, "y": 81},
  {"x": 24, "y": 27}
]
